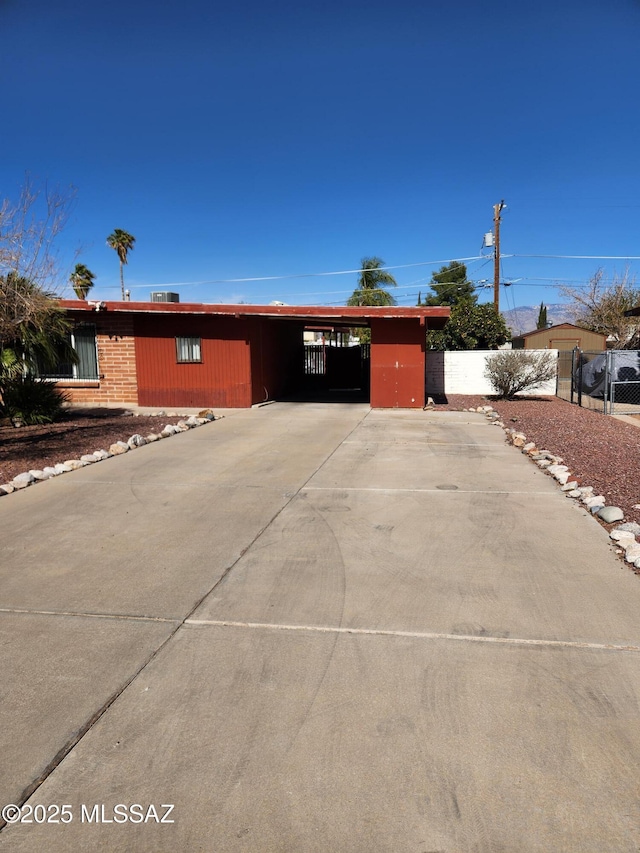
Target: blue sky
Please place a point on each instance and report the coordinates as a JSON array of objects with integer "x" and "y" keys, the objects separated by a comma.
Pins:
[{"x": 272, "y": 139}]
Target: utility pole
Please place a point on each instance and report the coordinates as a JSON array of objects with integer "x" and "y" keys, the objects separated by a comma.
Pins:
[{"x": 497, "y": 210}]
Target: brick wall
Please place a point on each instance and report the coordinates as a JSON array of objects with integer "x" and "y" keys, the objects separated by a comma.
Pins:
[
  {"x": 116, "y": 365},
  {"x": 463, "y": 373}
]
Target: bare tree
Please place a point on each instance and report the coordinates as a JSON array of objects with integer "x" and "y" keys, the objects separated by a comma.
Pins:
[
  {"x": 30, "y": 279},
  {"x": 601, "y": 306}
]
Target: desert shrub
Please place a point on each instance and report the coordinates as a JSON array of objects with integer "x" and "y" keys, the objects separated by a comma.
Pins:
[
  {"x": 32, "y": 401},
  {"x": 512, "y": 371}
]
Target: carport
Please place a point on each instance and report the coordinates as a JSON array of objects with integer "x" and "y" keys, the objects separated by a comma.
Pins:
[{"x": 185, "y": 354}]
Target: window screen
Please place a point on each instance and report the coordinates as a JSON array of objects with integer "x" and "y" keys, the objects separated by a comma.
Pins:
[{"x": 188, "y": 350}]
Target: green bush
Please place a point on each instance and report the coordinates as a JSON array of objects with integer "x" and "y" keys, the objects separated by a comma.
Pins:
[
  {"x": 512, "y": 371},
  {"x": 32, "y": 401}
]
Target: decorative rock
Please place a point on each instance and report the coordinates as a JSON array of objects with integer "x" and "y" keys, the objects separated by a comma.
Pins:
[
  {"x": 570, "y": 486},
  {"x": 39, "y": 475},
  {"x": 636, "y": 564},
  {"x": 609, "y": 514},
  {"x": 487, "y": 409},
  {"x": 592, "y": 501},
  {"x": 556, "y": 469},
  {"x": 101, "y": 454},
  {"x": 127, "y": 413},
  {"x": 192, "y": 421},
  {"x": 74, "y": 464},
  {"x": 169, "y": 430},
  {"x": 7, "y": 488},
  {"x": 50, "y": 471},
  {"x": 161, "y": 414},
  {"x": 629, "y": 527},
  {"x": 21, "y": 481},
  {"x": 622, "y": 536},
  {"x": 181, "y": 426},
  {"x": 561, "y": 476},
  {"x": 595, "y": 508},
  {"x": 118, "y": 448},
  {"x": 203, "y": 421},
  {"x": 543, "y": 463},
  {"x": 152, "y": 437},
  {"x": 498, "y": 423},
  {"x": 586, "y": 490},
  {"x": 208, "y": 414},
  {"x": 136, "y": 440},
  {"x": 517, "y": 441},
  {"x": 576, "y": 493},
  {"x": 529, "y": 447},
  {"x": 172, "y": 414},
  {"x": 632, "y": 553},
  {"x": 62, "y": 468},
  {"x": 89, "y": 458}
]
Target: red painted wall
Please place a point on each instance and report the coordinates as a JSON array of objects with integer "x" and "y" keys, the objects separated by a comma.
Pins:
[
  {"x": 276, "y": 357},
  {"x": 397, "y": 363},
  {"x": 222, "y": 379}
]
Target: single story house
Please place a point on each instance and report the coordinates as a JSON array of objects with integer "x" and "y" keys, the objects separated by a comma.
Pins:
[{"x": 179, "y": 355}]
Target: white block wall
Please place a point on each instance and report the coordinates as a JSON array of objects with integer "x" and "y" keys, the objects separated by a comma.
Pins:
[{"x": 463, "y": 373}]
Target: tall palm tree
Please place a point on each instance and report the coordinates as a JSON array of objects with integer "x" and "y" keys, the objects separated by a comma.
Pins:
[
  {"x": 82, "y": 280},
  {"x": 122, "y": 242},
  {"x": 370, "y": 290}
]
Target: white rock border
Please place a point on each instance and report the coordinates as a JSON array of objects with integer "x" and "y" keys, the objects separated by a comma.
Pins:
[
  {"x": 29, "y": 478},
  {"x": 625, "y": 536}
]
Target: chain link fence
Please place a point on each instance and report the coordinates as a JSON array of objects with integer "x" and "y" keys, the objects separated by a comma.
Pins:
[{"x": 607, "y": 382}]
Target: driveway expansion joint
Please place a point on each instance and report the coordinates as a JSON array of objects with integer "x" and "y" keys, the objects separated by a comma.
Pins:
[
  {"x": 130, "y": 617},
  {"x": 417, "y": 635}
]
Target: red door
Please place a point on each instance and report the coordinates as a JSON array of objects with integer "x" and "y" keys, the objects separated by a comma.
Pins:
[{"x": 397, "y": 363}]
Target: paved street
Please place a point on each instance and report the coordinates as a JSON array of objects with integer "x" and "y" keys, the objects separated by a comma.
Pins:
[{"x": 316, "y": 628}]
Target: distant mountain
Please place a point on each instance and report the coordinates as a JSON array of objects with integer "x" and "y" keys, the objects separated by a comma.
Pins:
[{"x": 524, "y": 318}]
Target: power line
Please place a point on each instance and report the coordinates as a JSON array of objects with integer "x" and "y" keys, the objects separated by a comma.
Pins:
[
  {"x": 581, "y": 257},
  {"x": 302, "y": 275}
]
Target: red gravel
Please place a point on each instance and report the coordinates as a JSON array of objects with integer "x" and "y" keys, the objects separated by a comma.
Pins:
[
  {"x": 34, "y": 447},
  {"x": 600, "y": 450}
]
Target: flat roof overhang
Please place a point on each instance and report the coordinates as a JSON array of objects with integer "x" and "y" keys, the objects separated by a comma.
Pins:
[{"x": 434, "y": 317}]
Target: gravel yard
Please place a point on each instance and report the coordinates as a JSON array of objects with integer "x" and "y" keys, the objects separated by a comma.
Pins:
[{"x": 82, "y": 431}]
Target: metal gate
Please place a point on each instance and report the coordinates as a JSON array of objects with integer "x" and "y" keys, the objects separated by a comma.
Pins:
[{"x": 606, "y": 381}]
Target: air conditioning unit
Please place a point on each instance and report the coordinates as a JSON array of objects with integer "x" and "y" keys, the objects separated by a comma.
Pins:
[{"x": 164, "y": 296}]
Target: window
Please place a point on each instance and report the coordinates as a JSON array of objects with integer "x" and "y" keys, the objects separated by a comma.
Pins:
[
  {"x": 83, "y": 341},
  {"x": 188, "y": 350}
]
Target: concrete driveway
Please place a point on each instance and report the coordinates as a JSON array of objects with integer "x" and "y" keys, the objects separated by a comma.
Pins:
[{"x": 317, "y": 628}]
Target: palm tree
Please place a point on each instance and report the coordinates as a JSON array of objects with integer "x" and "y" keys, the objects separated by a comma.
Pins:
[
  {"x": 122, "y": 243},
  {"x": 369, "y": 290},
  {"x": 82, "y": 280}
]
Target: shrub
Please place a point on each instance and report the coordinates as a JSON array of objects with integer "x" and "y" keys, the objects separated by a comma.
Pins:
[
  {"x": 32, "y": 401},
  {"x": 512, "y": 371}
]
